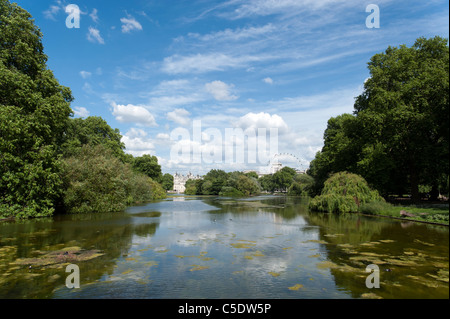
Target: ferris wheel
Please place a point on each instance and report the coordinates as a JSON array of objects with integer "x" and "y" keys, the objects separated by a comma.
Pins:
[{"x": 288, "y": 159}]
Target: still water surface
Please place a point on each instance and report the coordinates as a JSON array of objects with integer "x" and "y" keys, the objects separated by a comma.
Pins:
[{"x": 209, "y": 247}]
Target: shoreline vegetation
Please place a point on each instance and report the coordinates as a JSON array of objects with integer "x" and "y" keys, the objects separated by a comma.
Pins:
[{"x": 395, "y": 142}]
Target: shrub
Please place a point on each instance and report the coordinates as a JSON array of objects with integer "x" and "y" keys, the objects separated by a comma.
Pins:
[
  {"x": 375, "y": 207},
  {"x": 344, "y": 192},
  {"x": 97, "y": 181},
  {"x": 228, "y": 191}
]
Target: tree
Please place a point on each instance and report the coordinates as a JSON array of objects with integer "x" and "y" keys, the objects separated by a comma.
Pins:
[
  {"x": 247, "y": 186},
  {"x": 167, "y": 182},
  {"x": 97, "y": 181},
  {"x": 191, "y": 187},
  {"x": 398, "y": 135},
  {"x": 95, "y": 131},
  {"x": 405, "y": 110},
  {"x": 283, "y": 178},
  {"x": 34, "y": 110},
  {"x": 148, "y": 165},
  {"x": 340, "y": 149},
  {"x": 267, "y": 183},
  {"x": 213, "y": 182},
  {"x": 344, "y": 192},
  {"x": 302, "y": 185}
]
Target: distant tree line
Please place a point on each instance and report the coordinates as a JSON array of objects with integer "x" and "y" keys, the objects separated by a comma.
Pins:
[{"x": 219, "y": 182}]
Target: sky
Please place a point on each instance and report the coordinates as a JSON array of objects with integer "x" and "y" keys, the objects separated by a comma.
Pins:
[{"x": 223, "y": 84}]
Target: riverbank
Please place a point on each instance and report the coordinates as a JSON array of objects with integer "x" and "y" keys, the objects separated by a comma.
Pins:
[{"x": 425, "y": 213}]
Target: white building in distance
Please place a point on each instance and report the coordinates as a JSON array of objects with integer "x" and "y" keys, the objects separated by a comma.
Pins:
[{"x": 179, "y": 181}]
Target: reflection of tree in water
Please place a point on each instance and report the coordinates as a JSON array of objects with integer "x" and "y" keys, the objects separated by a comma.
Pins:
[
  {"x": 109, "y": 233},
  {"x": 283, "y": 206},
  {"x": 351, "y": 242}
]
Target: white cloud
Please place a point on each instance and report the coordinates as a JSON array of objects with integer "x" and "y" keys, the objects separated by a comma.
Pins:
[
  {"x": 268, "y": 80},
  {"x": 220, "y": 91},
  {"x": 94, "y": 15},
  {"x": 52, "y": 11},
  {"x": 133, "y": 114},
  {"x": 163, "y": 136},
  {"x": 201, "y": 63},
  {"x": 262, "y": 120},
  {"x": 137, "y": 143},
  {"x": 173, "y": 101},
  {"x": 233, "y": 35},
  {"x": 85, "y": 74},
  {"x": 130, "y": 24},
  {"x": 80, "y": 111},
  {"x": 285, "y": 7},
  {"x": 179, "y": 116},
  {"x": 94, "y": 36}
]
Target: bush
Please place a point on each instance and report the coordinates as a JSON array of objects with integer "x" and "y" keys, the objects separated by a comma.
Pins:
[
  {"x": 375, "y": 207},
  {"x": 97, "y": 181},
  {"x": 344, "y": 192},
  {"x": 228, "y": 191}
]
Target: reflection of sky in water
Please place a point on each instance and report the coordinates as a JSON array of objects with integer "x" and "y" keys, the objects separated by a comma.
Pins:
[
  {"x": 252, "y": 248},
  {"x": 271, "y": 254}
]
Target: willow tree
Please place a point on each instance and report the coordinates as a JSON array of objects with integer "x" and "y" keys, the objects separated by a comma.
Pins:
[{"x": 34, "y": 110}]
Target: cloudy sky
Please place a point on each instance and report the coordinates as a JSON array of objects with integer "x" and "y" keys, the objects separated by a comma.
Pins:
[{"x": 174, "y": 76}]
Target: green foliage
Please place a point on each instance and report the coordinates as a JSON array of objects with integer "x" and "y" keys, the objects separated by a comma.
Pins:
[
  {"x": 398, "y": 135},
  {"x": 252, "y": 175},
  {"x": 34, "y": 109},
  {"x": 148, "y": 165},
  {"x": 94, "y": 131},
  {"x": 191, "y": 187},
  {"x": 167, "y": 182},
  {"x": 344, "y": 192},
  {"x": 97, "y": 181},
  {"x": 375, "y": 207},
  {"x": 228, "y": 191},
  {"x": 302, "y": 185},
  {"x": 339, "y": 151},
  {"x": 158, "y": 192},
  {"x": 284, "y": 178},
  {"x": 267, "y": 183}
]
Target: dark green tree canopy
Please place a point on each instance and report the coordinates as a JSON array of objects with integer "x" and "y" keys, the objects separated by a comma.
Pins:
[
  {"x": 148, "y": 165},
  {"x": 95, "y": 131},
  {"x": 167, "y": 182},
  {"x": 398, "y": 136},
  {"x": 34, "y": 110}
]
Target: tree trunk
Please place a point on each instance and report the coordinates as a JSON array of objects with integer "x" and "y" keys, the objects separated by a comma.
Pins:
[{"x": 414, "y": 183}]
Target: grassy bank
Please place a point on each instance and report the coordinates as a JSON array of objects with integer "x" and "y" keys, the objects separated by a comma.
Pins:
[{"x": 431, "y": 213}]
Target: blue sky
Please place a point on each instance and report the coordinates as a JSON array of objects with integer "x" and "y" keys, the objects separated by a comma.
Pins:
[{"x": 150, "y": 67}]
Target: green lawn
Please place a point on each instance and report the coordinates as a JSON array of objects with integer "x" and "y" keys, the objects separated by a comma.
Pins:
[{"x": 436, "y": 213}]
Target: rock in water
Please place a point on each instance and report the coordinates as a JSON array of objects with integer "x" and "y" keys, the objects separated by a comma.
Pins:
[{"x": 404, "y": 213}]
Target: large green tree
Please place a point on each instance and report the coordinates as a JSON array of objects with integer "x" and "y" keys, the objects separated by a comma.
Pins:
[
  {"x": 148, "y": 165},
  {"x": 397, "y": 137},
  {"x": 167, "y": 182},
  {"x": 405, "y": 112},
  {"x": 34, "y": 110},
  {"x": 94, "y": 131}
]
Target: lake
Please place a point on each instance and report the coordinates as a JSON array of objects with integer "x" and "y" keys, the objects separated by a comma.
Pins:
[{"x": 209, "y": 247}]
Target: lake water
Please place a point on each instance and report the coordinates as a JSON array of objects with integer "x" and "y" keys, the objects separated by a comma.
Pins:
[{"x": 209, "y": 247}]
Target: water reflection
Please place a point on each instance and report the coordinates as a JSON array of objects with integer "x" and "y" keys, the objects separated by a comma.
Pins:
[{"x": 210, "y": 247}]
